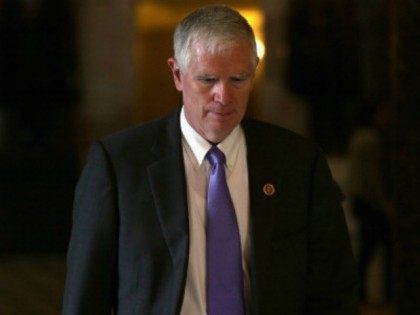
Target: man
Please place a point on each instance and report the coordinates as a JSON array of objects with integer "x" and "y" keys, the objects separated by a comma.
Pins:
[{"x": 149, "y": 236}]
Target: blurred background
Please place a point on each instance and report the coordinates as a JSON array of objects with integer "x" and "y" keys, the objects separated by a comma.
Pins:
[{"x": 342, "y": 72}]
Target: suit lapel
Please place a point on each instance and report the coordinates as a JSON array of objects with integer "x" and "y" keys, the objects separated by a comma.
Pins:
[
  {"x": 167, "y": 181},
  {"x": 263, "y": 170}
]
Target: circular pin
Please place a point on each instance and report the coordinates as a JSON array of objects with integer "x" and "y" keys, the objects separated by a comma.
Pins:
[{"x": 269, "y": 189}]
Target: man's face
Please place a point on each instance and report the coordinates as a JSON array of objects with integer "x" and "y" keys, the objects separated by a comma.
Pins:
[{"x": 215, "y": 88}]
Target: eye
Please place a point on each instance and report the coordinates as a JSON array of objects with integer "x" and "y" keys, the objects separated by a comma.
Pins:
[
  {"x": 238, "y": 80},
  {"x": 207, "y": 80}
]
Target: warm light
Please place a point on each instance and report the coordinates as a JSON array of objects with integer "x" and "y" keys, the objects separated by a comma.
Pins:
[
  {"x": 260, "y": 48},
  {"x": 255, "y": 18},
  {"x": 152, "y": 16}
]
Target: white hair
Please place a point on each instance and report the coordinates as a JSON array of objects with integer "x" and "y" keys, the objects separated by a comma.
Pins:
[{"x": 217, "y": 27}]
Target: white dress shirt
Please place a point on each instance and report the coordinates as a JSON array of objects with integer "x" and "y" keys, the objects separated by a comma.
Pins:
[{"x": 197, "y": 169}]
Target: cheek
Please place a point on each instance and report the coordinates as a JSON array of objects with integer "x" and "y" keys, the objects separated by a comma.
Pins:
[
  {"x": 203, "y": 97},
  {"x": 198, "y": 91},
  {"x": 242, "y": 98},
  {"x": 204, "y": 94}
]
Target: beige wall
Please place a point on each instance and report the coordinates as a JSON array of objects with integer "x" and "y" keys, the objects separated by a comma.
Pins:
[{"x": 105, "y": 48}]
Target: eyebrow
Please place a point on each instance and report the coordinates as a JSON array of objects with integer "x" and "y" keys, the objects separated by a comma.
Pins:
[
  {"x": 243, "y": 75},
  {"x": 206, "y": 75}
]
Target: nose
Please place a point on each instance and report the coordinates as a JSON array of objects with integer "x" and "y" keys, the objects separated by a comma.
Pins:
[{"x": 222, "y": 93}]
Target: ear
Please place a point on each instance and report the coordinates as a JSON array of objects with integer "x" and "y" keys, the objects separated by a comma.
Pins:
[{"x": 176, "y": 73}]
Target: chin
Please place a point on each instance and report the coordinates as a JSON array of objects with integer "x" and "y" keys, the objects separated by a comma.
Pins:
[{"x": 218, "y": 135}]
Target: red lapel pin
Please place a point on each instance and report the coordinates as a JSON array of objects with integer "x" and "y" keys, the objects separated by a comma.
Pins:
[{"x": 269, "y": 189}]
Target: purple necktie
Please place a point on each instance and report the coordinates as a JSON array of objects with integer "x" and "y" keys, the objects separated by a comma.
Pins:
[{"x": 225, "y": 293}]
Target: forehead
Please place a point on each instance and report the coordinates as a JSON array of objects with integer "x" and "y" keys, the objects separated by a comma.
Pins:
[
  {"x": 227, "y": 56},
  {"x": 214, "y": 42}
]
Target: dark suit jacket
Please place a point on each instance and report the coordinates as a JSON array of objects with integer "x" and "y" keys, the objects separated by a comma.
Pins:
[{"x": 130, "y": 240}]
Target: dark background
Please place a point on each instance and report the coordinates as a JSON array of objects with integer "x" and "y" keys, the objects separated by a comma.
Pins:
[{"x": 346, "y": 59}]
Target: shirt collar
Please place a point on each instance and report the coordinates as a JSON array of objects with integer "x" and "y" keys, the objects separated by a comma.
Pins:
[{"x": 199, "y": 146}]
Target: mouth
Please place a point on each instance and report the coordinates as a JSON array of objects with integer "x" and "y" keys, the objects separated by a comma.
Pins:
[{"x": 221, "y": 114}]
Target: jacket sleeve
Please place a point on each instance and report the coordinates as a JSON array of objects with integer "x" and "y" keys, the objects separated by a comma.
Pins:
[
  {"x": 92, "y": 255},
  {"x": 332, "y": 278}
]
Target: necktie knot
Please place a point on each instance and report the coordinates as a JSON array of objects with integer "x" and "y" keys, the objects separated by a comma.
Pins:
[{"x": 215, "y": 156}]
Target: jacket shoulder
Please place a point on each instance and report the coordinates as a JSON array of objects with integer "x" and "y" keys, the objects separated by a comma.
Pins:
[
  {"x": 278, "y": 138},
  {"x": 142, "y": 136}
]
